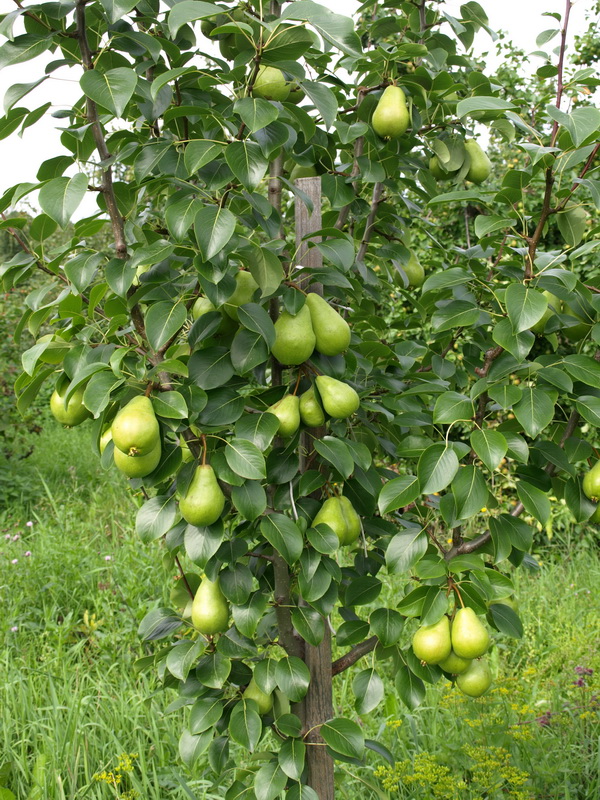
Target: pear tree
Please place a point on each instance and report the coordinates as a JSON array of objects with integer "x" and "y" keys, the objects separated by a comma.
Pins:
[{"x": 314, "y": 393}]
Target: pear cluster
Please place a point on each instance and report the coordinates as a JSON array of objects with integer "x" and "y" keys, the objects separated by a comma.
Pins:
[
  {"x": 136, "y": 435},
  {"x": 336, "y": 398},
  {"x": 316, "y": 326},
  {"x": 457, "y": 649},
  {"x": 480, "y": 165}
]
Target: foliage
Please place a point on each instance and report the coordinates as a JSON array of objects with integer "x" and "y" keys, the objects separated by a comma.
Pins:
[{"x": 490, "y": 367}]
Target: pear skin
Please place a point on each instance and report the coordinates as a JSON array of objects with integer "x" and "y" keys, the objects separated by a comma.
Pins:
[
  {"x": 332, "y": 332},
  {"x": 263, "y": 701},
  {"x": 470, "y": 638},
  {"x": 204, "y": 501},
  {"x": 476, "y": 679},
  {"x": 243, "y": 293},
  {"x": 271, "y": 84},
  {"x": 352, "y": 520},
  {"x": 594, "y": 518},
  {"x": 391, "y": 118},
  {"x": 431, "y": 643},
  {"x": 554, "y": 307},
  {"x": 137, "y": 466},
  {"x": 331, "y": 514},
  {"x": 202, "y": 306},
  {"x": 210, "y": 609},
  {"x": 287, "y": 411},
  {"x": 135, "y": 429},
  {"x": 301, "y": 171},
  {"x": 591, "y": 482},
  {"x": 481, "y": 166},
  {"x": 413, "y": 269},
  {"x": 311, "y": 411},
  {"x": 294, "y": 338},
  {"x": 104, "y": 440},
  {"x": 454, "y": 664},
  {"x": 71, "y": 413},
  {"x": 339, "y": 400}
]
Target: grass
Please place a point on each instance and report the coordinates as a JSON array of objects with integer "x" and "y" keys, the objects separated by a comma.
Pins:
[{"x": 78, "y": 721}]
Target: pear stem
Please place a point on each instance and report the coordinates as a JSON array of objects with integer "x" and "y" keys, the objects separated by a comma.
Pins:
[
  {"x": 456, "y": 590},
  {"x": 295, "y": 392},
  {"x": 183, "y": 577},
  {"x": 203, "y": 438}
]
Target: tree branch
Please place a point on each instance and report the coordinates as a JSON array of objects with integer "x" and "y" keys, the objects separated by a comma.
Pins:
[
  {"x": 353, "y": 655},
  {"x": 370, "y": 225}
]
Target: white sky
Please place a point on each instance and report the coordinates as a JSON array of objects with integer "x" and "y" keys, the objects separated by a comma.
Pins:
[{"x": 21, "y": 157}]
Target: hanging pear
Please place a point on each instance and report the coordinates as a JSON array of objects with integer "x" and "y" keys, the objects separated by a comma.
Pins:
[
  {"x": 294, "y": 337},
  {"x": 339, "y": 400},
  {"x": 413, "y": 269},
  {"x": 104, "y": 440},
  {"x": 476, "y": 679},
  {"x": 470, "y": 638},
  {"x": 287, "y": 411},
  {"x": 352, "y": 520},
  {"x": 245, "y": 286},
  {"x": 454, "y": 664},
  {"x": 481, "y": 166},
  {"x": 391, "y": 118},
  {"x": 71, "y": 413},
  {"x": 271, "y": 84},
  {"x": 554, "y": 307},
  {"x": 311, "y": 411},
  {"x": 263, "y": 700},
  {"x": 202, "y": 306},
  {"x": 135, "y": 429},
  {"x": 204, "y": 501},
  {"x": 331, "y": 514},
  {"x": 591, "y": 482},
  {"x": 210, "y": 609},
  {"x": 332, "y": 332},
  {"x": 137, "y": 466},
  {"x": 431, "y": 643}
]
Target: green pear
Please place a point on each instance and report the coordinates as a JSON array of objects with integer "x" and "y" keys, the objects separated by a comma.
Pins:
[
  {"x": 71, "y": 413},
  {"x": 135, "y": 429},
  {"x": 271, "y": 84},
  {"x": 352, "y": 520},
  {"x": 454, "y": 664},
  {"x": 137, "y": 466},
  {"x": 332, "y": 332},
  {"x": 104, "y": 440},
  {"x": 481, "y": 166},
  {"x": 591, "y": 482},
  {"x": 413, "y": 269},
  {"x": 431, "y": 643},
  {"x": 263, "y": 701},
  {"x": 294, "y": 337},
  {"x": 594, "y": 518},
  {"x": 475, "y": 680},
  {"x": 391, "y": 118},
  {"x": 243, "y": 293},
  {"x": 202, "y": 306},
  {"x": 300, "y": 171},
  {"x": 287, "y": 411},
  {"x": 180, "y": 593},
  {"x": 470, "y": 638},
  {"x": 210, "y": 609},
  {"x": 296, "y": 94},
  {"x": 554, "y": 307},
  {"x": 339, "y": 400},
  {"x": 311, "y": 411},
  {"x": 281, "y": 704},
  {"x": 331, "y": 514},
  {"x": 511, "y": 602},
  {"x": 436, "y": 169},
  {"x": 204, "y": 501}
]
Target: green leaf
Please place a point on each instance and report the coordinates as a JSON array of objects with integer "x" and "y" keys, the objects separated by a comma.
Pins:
[
  {"x": 324, "y": 99},
  {"x": 517, "y": 344},
  {"x": 246, "y": 161},
  {"x": 535, "y": 501},
  {"x": 397, "y": 493},
  {"x": 309, "y": 624},
  {"x": 223, "y": 407},
  {"x": 411, "y": 689},
  {"x": 490, "y": 446},
  {"x": 116, "y": 9},
  {"x": 256, "y": 319},
  {"x": 336, "y": 453},
  {"x": 589, "y": 408},
  {"x": 248, "y": 350},
  {"x": 451, "y": 406},
  {"x": 583, "y": 123},
  {"x": 205, "y": 713},
  {"x": 437, "y": 467},
  {"x": 180, "y": 215},
  {"x": 214, "y": 228},
  {"x": 473, "y": 105},
  {"x": 250, "y": 499},
  {"x": 293, "y": 678},
  {"x": 386, "y": 624},
  {"x": 291, "y": 757},
  {"x": 535, "y": 410},
  {"x": 506, "y": 620},
  {"x": 362, "y": 591},
  {"x": 269, "y": 781},
  {"x": 485, "y": 225},
  {"x": 111, "y": 90},
  {"x": 170, "y": 405},
  {"x": 23, "y": 48},
  {"x": 470, "y": 492},
  {"x": 583, "y": 368},
  {"x": 60, "y": 197},
  {"x": 155, "y": 518},
  {"x": 525, "y": 306},
  {"x": 405, "y": 549},
  {"x": 578, "y": 504},
  {"x": 572, "y": 224},
  {"x": 457, "y": 314},
  {"x": 163, "y": 320},
  {"x": 344, "y": 737},
  {"x": 511, "y": 531},
  {"x": 260, "y": 429},
  {"x": 368, "y": 690},
  {"x": 210, "y": 368},
  {"x": 255, "y": 113},
  {"x": 98, "y": 390},
  {"x": 334, "y": 28},
  {"x": 284, "y": 535},
  {"x": 245, "y": 726},
  {"x": 190, "y": 11},
  {"x": 265, "y": 268},
  {"x": 192, "y": 746},
  {"x": 199, "y": 153},
  {"x": 158, "y": 624},
  {"x": 245, "y": 459}
]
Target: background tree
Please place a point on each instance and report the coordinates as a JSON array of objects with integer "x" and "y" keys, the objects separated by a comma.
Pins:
[{"x": 490, "y": 365}]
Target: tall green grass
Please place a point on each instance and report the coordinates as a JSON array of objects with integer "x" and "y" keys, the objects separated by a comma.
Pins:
[{"x": 75, "y": 714}]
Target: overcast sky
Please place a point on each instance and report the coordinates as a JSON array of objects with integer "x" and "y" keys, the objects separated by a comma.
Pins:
[{"x": 20, "y": 158}]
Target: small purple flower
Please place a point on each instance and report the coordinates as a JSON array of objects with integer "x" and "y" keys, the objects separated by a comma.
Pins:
[
  {"x": 584, "y": 671},
  {"x": 14, "y": 629},
  {"x": 580, "y": 682},
  {"x": 108, "y": 558},
  {"x": 545, "y": 719},
  {"x": 29, "y": 524},
  {"x": 27, "y": 553},
  {"x": 16, "y": 537},
  {"x": 8, "y": 537},
  {"x": 15, "y": 561}
]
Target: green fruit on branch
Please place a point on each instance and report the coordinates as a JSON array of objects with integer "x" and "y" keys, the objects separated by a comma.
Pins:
[
  {"x": 135, "y": 429},
  {"x": 480, "y": 166},
  {"x": 311, "y": 411},
  {"x": 332, "y": 514},
  {"x": 595, "y": 517},
  {"x": 287, "y": 411},
  {"x": 591, "y": 482},
  {"x": 202, "y": 306},
  {"x": 554, "y": 307},
  {"x": 204, "y": 501},
  {"x": 413, "y": 269},
  {"x": 332, "y": 332},
  {"x": 270, "y": 84},
  {"x": 104, "y": 440},
  {"x": 180, "y": 593},
  {"x": 243, "y": 293},
  {"x": 210, "y": 609},
  {"x": 431, "y": 643},
  {"x": 352, "y": 520},
  {"x": 470, "y": 638},
  {"x": 263, "y": 700},
  {"x": 72, "y": 412},
  {"x": 391, "y": 118},
  {"x": 300, "y": 171},
  {"x": 137, "y": 466},
  {"x": 454, "y": 664},
  {"x": 296, "y": 94},
  {"x": 339, "y": 400},
  {"x": 476, "y": 679},
  {"x": 294, "y": 337}
]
